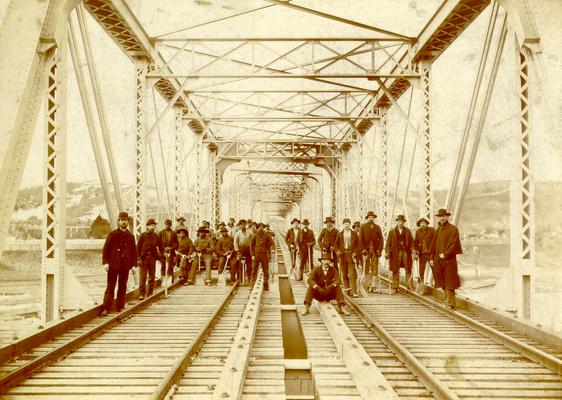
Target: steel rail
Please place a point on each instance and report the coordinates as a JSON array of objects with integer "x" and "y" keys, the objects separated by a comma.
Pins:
[
  {"x": 439, "y": 389},
  {"x": 169, "y": 383},
  {"x": 16, "y": 376},
  {"x": 532, "y": 353}
]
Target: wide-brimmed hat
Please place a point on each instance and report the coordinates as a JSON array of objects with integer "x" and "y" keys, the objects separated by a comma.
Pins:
[
  {"x": 346, "y": 220},
  {"x": 182, "y": 229},
  {"x": 168, "y": 222},
  {"x": 124, "y": 215},
  {"x": 151, "y": 221},
  {"x": 356, "y": 223},
  {"x": 325, "y": 256},
  {"x": 371, "y": 214},
  {"x": 401, "y": 218},
  {"x": 295, "y": 220},
  {"x": 202, "y": 229},
  {"x": 329, "y": 219},
  {"x": 242, "y": 221},
  {"x": 422, "y": 220},
  {"x": 442, "y": 212},
  {"x": 305, "y": 222},
  {"x": 223, "y": 229},
  {"x": 180, "y": 219}
]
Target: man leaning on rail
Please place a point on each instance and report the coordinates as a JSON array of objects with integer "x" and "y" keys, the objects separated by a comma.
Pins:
[
  {"x": 118, "y": 257},
  {"x": 324, "y": 285}
]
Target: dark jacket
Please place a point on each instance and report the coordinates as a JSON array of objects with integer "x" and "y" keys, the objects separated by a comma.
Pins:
[
  {"x": 423, "y": 240},
  {"x": 261, "y": 243},
  {"x": 317, "y": 277},
  {"x": 448, "y": 243},
  {"x": 370, "y": 236},
  {"x": 185, "y": 246},
  {"x": 169, "y": 239},
  {"x": 119, "y": 250},
  {"x": 290, "y": 237},
  {"x": 340, "y": 243},
  {"x": 149, "y": 245},
  {"x": 205, "y": 245},
  {"x": 306, "y": 239},
  {"x": 327, "y": 239},
  {"x": 223, "y": 245},
  {"x": 392, "y": 248}
]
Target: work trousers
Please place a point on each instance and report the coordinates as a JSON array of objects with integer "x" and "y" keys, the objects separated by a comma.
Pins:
[
  {"x": 371, "y": 269},
  {"x": 231, "y": 266},
  {"x": 245, "y": 254},
  {"x": 262, "y": 259},
  {"x": 423, "y": 261},
  {"x": 115, "y": 276},
  {"x": 184, "y": 262},
  {"x": 321, "y": 294},
  {"x": 147, "y": 268},
  {"x": 305, "y": 254},
  {"x": 348, "y": 272},
  {"x": 403, "y": 263},
  {"x": 205, "y": 258}
]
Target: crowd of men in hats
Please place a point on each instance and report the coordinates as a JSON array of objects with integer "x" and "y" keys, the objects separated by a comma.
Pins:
[
  {"x": 240, "y": 249},
  {"x": 244, "y": 247}
]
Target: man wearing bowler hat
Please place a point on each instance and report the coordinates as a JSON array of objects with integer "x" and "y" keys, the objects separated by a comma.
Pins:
[
  {"x": 347, "y": 244},
  {"x": 119, "y": 255},
  {"x": 443, "y": 251},
  {"x": 324, "y": 285},
  {"x": 422, "y": 244},
  {"x": 306, "y": 242},
  {"x": 398, "y": 251},
  {"x": 371, "y": 243},
  {"x": 260, "y": 246},
  {"x": 149, "y": 249},
  {"x": 327, "y": 240},
  {"x": 169, "y": 241},
  {"x": 291, "y": 238}
]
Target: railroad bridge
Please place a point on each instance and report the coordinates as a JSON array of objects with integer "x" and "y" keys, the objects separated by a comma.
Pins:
[{"x": 274, "y": 109}]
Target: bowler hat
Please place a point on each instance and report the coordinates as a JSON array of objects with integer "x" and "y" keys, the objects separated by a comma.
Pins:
[
  {"x": 168, "y": 222},
  {"x": 124, "y": 215},
  {"x": 346, "y": 220},
  {"x": 329, "y": 219},
  {"x": 151, "y": 221},
  {"x": 295, "y": 220},
  {"x": 180, "y": 219},
  {"x": 305, "y": 222},
  {"x": 325, "y": 256},
  {"x": 182, "y": 229},
  {"x": 371, "y": 214},
  {"x": 422, "y": 220},
  {"x": 442, "y": 212},
  {"x": 401, "y": 218},
  {"x": 223, "y": 229}
]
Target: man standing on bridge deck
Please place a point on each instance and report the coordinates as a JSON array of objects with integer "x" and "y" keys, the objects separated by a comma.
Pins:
[
  {"x": 422, "y": 245},
  {"x": 169, "y": 240},
  {"x": 292, "y": 240},
  {"x": 398, "y": 251},
  {"x": 119, "y": 255},
  {"x": 259, "y": 248},
  {"x": 224, "y": 248},
  {"x": 327, "y": 240},
  {"x": 443, "y": 251},
  {"x": 324, "y": 285},
  {"x": 231, "y": 226},
  {"x": 242, "y": 241},
  {"x": 204, "y": 248},
  {"x": 371, "y": 243},
  {"x": 149, "y": 249},
  {"x": 306, "y": 242},
  {"x": 183, "y": 252},
  {"x": 181, "y": 223},
  {"x": 347, "y": 244}
]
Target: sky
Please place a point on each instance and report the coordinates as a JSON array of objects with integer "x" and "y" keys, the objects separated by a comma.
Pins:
[{"x": 453, "y": 77}]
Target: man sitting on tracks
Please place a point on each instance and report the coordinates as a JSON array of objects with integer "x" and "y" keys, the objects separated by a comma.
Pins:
[
  {"x": 183, "y": 252},
  {"x": 324, "y": 285}
]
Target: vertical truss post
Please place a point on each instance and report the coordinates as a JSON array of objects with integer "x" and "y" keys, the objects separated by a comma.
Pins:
[
  {"x": 215, "y": 184},
  {"x": 383, "y": 168},
  {"x": 198, "y": 192},
  {"x": 344, "y": 179},
  {"x": 526, "y": 229},
  {"x": 361, "y": 189},
  {"x": 178, "y": 152},
  {"x": 334, "y": 191},
  {"x": 427, "y": 197},
  {"x": 139, "y": 211},
  {"x": 53, "y": 263}
]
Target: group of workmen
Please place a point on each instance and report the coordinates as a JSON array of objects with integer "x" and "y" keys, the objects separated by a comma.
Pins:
[
  {"x": 246, "y": 246},
  {"x": 243, "y": 248},
  {"x": 362, "y": 245}
]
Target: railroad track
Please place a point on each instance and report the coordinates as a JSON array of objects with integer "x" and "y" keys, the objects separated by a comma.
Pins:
[
  {"x": 160, "y": 348},
  {"x": 455, "y": 356}
]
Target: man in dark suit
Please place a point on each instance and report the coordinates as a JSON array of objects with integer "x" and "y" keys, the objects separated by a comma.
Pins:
[
  {"x": 444, "y": 250},
  {"x": 260, "y": 246},
  {"x": 291, "y": 238},
  {"x": 347, "y": 244},
  {"x": 149, "y": 249},
  {"x": 169, "y": 240},
  {"x": 371, "y": 241},
  {"x": 398, "y": 251},
  {"x": 327, "y": 240},
  {"x": 306, "y": 241},
  {"x": 422, "y": 245},
  {"x": 324, "y": 285},
  {"x": 119, "y": 256}
]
